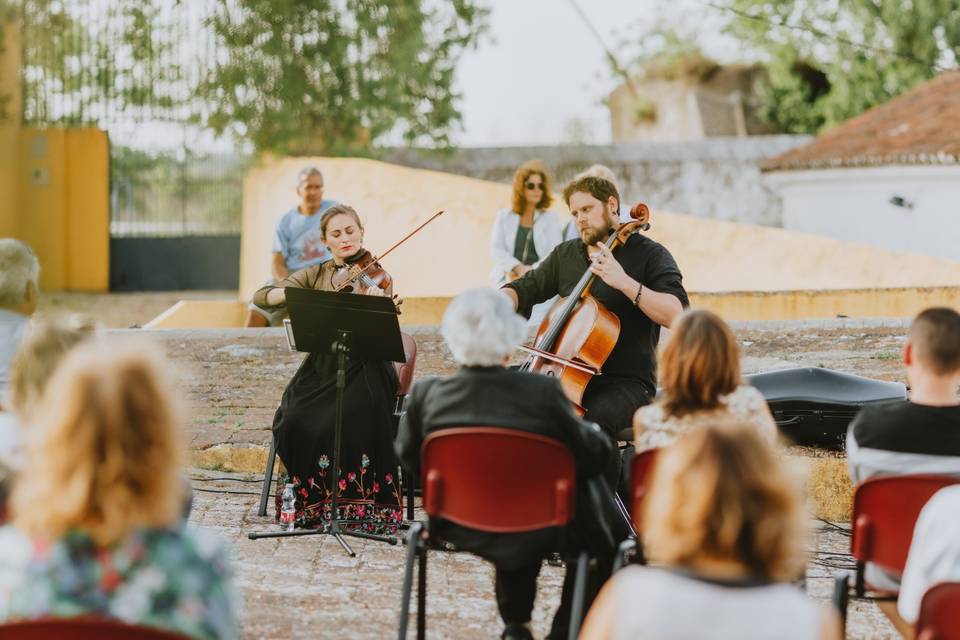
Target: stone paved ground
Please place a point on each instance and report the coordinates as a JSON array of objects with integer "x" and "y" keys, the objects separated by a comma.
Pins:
[{"x": 307, "y": 587}]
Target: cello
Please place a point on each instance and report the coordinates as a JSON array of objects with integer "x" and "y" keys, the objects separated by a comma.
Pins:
[{"x": 578, "y": 333}]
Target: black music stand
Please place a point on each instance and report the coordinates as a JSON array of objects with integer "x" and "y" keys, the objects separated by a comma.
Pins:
[{"x": 349, "y": 325}]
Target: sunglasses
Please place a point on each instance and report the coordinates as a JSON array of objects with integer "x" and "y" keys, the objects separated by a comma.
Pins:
[{"x": 535, "y": 185}]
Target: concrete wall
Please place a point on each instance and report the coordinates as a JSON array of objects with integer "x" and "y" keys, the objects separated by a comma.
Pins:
[
  {"x": 715, "y": 178},
  {"x": 854, "y": 204}
]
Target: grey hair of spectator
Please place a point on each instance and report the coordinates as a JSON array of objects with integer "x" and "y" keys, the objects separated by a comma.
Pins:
[
  {"x": 481, "y": 328},
  {"x": 599, "y": 171},
  {"x": 305, "y": 174},
  {"x": 18, "y": 268}
]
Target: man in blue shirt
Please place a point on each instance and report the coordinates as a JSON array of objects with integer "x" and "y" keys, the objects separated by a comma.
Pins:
[{"x": 297, "y": 243}]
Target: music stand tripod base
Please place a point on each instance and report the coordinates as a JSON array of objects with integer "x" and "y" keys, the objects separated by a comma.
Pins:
[{"x": 347, "y": 324}]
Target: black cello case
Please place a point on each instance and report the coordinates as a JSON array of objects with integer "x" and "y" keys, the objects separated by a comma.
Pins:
[{"x": 814, "y": 406}]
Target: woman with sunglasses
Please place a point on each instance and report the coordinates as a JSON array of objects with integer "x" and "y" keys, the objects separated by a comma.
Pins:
[{"x": 526, "y": 232}]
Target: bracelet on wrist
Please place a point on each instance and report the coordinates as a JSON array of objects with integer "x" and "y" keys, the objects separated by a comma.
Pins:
[{"x": 636, "y": 299}]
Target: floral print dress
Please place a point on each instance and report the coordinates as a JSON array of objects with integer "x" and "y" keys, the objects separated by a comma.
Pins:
[
  {"x": 653, "y": 428},
  {"x": 178, "y": 580}
]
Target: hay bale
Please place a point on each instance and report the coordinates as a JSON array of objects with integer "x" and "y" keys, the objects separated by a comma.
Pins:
[
  {"x": 829, "y": 490},
  {"x": 232, "y": 458}
]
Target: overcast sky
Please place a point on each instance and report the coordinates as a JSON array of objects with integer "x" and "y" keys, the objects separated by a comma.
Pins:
[{"x": 540, "y": 73}]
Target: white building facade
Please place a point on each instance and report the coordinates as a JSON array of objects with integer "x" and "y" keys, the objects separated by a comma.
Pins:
[{"x": 915, "y": 208}]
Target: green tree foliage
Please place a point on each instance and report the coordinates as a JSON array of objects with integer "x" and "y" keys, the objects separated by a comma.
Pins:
[
  {"x": 334, "y": 76},
  {"x": 829, "y": 60},
  {"x": 319, "y": 75}
]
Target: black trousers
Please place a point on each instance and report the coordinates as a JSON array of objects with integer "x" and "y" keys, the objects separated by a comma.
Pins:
[
  {"x": 516, "y": 590},
  {"x": 611, "y": 403}
]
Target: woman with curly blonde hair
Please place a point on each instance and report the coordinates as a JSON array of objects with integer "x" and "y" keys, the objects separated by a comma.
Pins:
[
  {"x": 526, "y": 232},
  {"x": 96, "y": 510},
  {"x": 725, "y": 534}
]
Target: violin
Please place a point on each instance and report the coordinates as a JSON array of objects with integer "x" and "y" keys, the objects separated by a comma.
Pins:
[
  {"x": 364, "y": 272},
  {"x": 578, "y": 334}
]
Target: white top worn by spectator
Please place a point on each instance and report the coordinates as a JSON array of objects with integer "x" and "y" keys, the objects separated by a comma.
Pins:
[
  {"x": 546, "y": 235},
  {"x": 934, "y": 553},
  {"x": 654, "y": 428},
  {"x": 659, "y": 603},
  {"x": 12, "y": 328}
]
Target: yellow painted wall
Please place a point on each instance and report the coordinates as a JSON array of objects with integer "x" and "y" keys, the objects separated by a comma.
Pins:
[
  {"x": 54, "y": 188},
  {"x": 801, "y": 305},
  {"x": 88, "y": 210},
  {"x": 9, "y": 128},
  {"x": 63, "y": 212},
  {"x": 453, "y": 253}
]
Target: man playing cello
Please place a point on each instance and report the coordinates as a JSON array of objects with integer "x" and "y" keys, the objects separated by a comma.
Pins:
[{"x": 640, "y": 283}]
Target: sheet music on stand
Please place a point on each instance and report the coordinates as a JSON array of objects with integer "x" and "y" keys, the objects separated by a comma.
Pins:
[{"x": 288, "y": 330}]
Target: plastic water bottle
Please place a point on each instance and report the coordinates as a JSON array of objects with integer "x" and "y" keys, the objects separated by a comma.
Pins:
[{"x": 288, "y": 509}]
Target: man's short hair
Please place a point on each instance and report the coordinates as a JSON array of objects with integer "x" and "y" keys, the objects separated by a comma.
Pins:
[
  {"x": 935, "y": 336},
  {"x": 599, "y": 188},
  {"x": 18, "y": 267},
  {"x": 305, "y": 174}
]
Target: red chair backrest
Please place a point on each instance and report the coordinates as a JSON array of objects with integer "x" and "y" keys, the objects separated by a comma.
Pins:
[
  {"x": 497, "y": 480},
  {"x": 641, "y": 470},
  {"x": 82, "y": 628},
  {"x": 940, "y": 613},
  {"x": 885, "y": 511},
  {"x": 405, "y": 369}
]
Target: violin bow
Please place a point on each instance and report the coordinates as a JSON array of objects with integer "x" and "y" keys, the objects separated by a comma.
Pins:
[{"x": 402, "y": 240}]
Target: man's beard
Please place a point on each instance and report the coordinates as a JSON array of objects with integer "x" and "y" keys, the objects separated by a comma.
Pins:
[{"x": 593, "y": 235}]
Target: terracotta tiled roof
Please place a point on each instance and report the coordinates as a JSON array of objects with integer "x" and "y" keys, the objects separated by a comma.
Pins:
[{"x": 920, "y": 127}]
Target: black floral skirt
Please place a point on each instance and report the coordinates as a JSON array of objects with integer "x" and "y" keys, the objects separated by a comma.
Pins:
[{"x": 367, "y": 485}]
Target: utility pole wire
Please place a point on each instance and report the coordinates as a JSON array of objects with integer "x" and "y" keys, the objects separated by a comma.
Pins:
[{"x": 610, "y": 57}]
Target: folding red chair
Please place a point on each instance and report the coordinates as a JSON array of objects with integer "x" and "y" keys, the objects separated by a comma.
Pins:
[
  {"x": 82, "y": 628},
  {"x": 940, "y": 613},
  {"x": 495, "y": 480},
  {"x": 405, "y": 377},
  {"x": 885, "y": 511},
  {"x": 641, "y": 468}
]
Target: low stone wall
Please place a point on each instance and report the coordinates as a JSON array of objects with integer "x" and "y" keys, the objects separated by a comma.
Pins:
[{"x": 713, "y": 178}]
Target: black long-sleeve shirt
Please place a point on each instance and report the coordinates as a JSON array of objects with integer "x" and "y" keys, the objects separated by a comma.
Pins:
[{"x": 644, "y": 260}]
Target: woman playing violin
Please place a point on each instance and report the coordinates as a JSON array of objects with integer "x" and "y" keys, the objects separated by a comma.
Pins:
[
  {"x": 639, "y": 283},
  {"x": 303, "y": 425}
]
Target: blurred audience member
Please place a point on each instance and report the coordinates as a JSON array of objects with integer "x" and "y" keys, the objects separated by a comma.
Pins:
[
  {"x": 922, "y": 434},
  {"x": 725, "y": 531},
  {"x": 19, "y": 292},
  {"x": 700, "y": 376},
  {"x": 96, "y": 512},
  {"x": 44, "y": 346},
  {"x": 934, "y": 557},
  {"x": 919, "y": 435}
]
